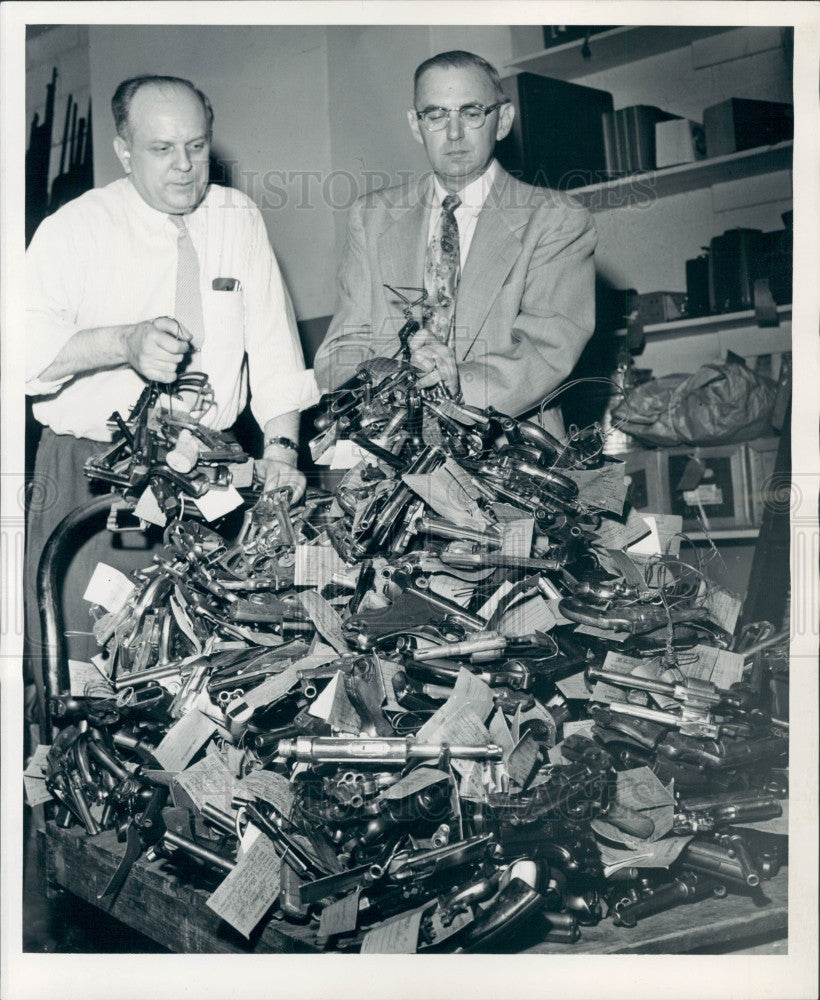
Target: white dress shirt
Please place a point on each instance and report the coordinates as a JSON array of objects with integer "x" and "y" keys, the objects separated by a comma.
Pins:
[
  {"x": 108, "y": 259},
  {"x": 472, "y": 198}
]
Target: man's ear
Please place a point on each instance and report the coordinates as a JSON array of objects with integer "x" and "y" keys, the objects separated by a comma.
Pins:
[
  {"x": 506, "y": 116},
  {"x": 123, "y": 153},
  {"x": 413, "y": 122}
]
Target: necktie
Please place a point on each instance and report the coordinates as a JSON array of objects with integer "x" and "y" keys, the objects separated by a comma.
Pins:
[
  {"x": 442, "y": 268},
  {"x": 188, "y": 306}
]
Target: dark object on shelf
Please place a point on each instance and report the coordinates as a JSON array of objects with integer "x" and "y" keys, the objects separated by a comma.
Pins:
[
  {"x": 722, "y": 279},
  {"x": 719, "y": 403},
  {"x": 734, "y": 264},
  {"x": 38, "y": 156},
  {"x": 739, "y": 124},
  {"x": 556, "y": 140},
  {"x": 776, "y": 261},
  {"x": 561, "y": 34},
  {"x": 697, "y": 286},
  {"x": 613, "y": 307},
  {"x": 769, "y": 586},
  {"x": 629, "y": 138},
  {"x": 661, "y": 307}
]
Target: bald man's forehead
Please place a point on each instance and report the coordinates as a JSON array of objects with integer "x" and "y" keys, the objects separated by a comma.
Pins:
[{"x": 161, "y": 100}]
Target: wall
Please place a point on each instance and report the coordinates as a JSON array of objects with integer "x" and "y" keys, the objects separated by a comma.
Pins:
[
  {"x": 269, "y": 89},
  {"x": 370, "y": 68}
]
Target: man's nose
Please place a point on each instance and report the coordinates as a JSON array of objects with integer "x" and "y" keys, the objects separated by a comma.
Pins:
[
  {"x": 455, "y": 129},
  {"x": 181, "y": 160}
]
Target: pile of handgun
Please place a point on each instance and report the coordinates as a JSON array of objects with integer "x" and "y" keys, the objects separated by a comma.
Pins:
[{"x": 441, "y": 709}]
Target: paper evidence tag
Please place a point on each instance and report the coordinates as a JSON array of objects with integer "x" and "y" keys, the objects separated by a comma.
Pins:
[{"x": 248, "y": 892}]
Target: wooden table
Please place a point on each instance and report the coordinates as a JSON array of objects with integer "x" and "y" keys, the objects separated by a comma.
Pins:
[{"x": 162, "y": 906}]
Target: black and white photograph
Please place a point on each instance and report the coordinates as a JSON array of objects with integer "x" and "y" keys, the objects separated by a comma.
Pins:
[{"x": 409, "y": 498}]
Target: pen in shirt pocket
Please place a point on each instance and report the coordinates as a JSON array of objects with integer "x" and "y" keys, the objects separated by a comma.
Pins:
[{"x": 226, "y": 284}]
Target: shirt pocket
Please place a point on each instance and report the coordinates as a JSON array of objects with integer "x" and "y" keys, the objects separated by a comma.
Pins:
[{"x": 224, "y": 314}]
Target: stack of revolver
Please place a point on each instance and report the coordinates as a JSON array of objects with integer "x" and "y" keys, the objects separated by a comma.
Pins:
[{"x": 433, "y": 710}]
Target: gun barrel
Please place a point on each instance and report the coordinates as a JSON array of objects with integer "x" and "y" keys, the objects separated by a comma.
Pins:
[
  {"x": 387, "y": 750},
  {"x": 480, "y": 644}
]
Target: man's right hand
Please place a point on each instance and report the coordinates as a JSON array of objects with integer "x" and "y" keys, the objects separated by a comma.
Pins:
[{"x": 155, "y": 348}]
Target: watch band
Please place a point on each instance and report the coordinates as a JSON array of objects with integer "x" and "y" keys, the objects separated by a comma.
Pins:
[{"x": 282, "y": 442}]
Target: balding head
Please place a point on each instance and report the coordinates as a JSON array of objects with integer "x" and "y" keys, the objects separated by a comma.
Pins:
[{"x": 128, "y": 89}]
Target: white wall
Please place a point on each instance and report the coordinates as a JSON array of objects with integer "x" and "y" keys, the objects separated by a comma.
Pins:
[
  {"x": 370, "y": 69},
  {"x": 269, "y": 89}
]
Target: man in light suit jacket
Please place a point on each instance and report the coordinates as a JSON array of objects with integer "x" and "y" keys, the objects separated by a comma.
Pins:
[{"x": 522, "y": 276}]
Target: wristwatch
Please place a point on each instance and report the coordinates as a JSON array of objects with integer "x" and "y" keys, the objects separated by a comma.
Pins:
[{"x": 282, "y": 442}]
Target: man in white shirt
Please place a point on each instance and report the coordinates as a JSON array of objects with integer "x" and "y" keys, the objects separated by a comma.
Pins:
[
  {"x": 507, "y": 267},
  {"x": 126, "y": 281}
]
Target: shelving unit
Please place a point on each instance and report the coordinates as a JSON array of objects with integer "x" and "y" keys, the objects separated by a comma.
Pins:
[
  {"x": 624, "y": 44},
  {"x": 720, "y": 323},
  {"x": 708, "y": 338},
  {"x": 723, "y": 535},
  {"x": 650, "y": 223},
  {"x": 638, "y": 189}
]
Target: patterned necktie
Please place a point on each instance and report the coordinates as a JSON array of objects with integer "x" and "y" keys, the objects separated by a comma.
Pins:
[
  {"x": 188, "y": 307},
  {"x": 442, "y": 268}
]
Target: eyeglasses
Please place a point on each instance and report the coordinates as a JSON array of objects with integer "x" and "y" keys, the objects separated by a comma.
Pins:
[{"x": 472, "y": 115}]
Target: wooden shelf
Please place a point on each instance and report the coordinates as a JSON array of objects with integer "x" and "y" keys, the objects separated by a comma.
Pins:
[
  {"x": 722, "y": 325},
  {"x": 640, "y": 190},
  {"x": 722, "y": 534},
  {"x": 625, "y": 44},
  {"x": 711, "y": 324}
]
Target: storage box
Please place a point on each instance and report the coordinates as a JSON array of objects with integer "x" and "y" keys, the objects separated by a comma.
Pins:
[
  {"x": 629, "y": 138},
  {"x": 679, "y": 141},
  {"x": 697, "y": 286},
  {"x": 739, "y": 124},
  {"x": 717, "y": 497},
  {"x": 661, "y": 307},
  {"x": 557, "y": 138},
  {"x": 734, "y": 265}
]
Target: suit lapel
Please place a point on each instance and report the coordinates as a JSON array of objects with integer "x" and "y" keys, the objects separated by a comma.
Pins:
[
  {"x": 493, "y": 252},
  {"x": 403, "y": 244}
]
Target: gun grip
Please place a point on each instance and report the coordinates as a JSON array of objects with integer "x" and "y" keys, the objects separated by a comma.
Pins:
[{"x": 513, "y": 907}]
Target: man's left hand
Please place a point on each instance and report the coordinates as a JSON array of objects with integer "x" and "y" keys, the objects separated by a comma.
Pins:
[
  {"x": 276, "y": 474},
  {"x": 436, "y": 360}
]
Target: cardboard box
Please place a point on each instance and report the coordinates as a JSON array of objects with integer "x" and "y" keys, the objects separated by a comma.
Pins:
[
  {"x": 707, "y": 486},
  {"x": 679, "y": 141},
  {"x": 739, "y": 124},
  {"x": 661, "y": 307}
]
